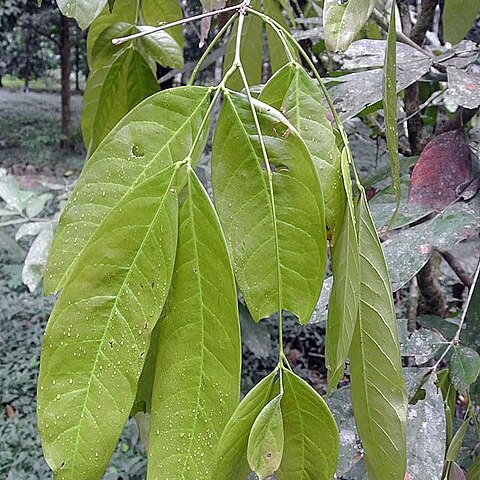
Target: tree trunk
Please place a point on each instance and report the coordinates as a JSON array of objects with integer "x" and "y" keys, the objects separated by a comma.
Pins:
[
  {"x": 65, "y": 68},
  {"x": 28, "y": 61}
]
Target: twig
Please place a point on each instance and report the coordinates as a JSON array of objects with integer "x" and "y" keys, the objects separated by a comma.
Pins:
[
  {"x": 455, "y": 265},
  {"x": 183, "y": 21},
  {"x": 456, "y": 339},
  {"x": 423, "y": 106},
  {"x": 424, "y": 20},
  {"x": 401, "y": 37},
  {"x": 414, "y": 296}
]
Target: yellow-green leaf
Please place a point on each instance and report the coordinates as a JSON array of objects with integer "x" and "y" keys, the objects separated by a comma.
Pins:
[
  {"x": 197, "y": 377},
  {"x": 99, "y": 331},
  {"x": 269, "y": 226},
  {"x": 156, "y": 133},
  {"x": 378, "y": 388},
  {"x": 266, "y": 440}
]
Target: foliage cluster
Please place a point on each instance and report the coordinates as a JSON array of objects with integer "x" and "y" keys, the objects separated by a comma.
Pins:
[{"x": 147, "y": 322}]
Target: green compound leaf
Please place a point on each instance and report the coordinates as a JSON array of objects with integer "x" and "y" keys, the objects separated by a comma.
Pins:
[
  {"x": 155, "y": 134},
  {"x": 458, "y": 18},
  {"x": 83, "y": 11},
  {"x": 343, "y": 21},
  {"x": 344, "y": 299},
  {"x": 99, "y": 331},
  {"x": 464, "y": 368},
  {"x": 295, "y": 94},
  {"x": 104, "y": 52},
  {"x": 251, "y": 51},
  {"x": 378, "y": 389},
  {"x": 128, "y": 81},
  {"x": 197, "y": 378},
  {"x": 250, "y": 218},
  {"x": 390, "y": 107},
  {"x": 266, "y": 440},
  {"x": 231, "y": 455},
  {"x": 312, "y": 441}
]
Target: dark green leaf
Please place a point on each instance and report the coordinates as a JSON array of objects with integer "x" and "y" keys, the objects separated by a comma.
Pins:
[
  {"x": 296, "y": 95},
  {"x": 83, "y": 11},
  {"x": 99, "y": 331},
  {"x": 474, "y": 470},
  {"x": 343, "y": 303},
  {"x": 197, "y": 377},
  {"x": 251, "y": 51},
  {"x": 104, "y": 52},
  {"x": 378, "y": 389},
  {"x": 457, "y": 441},
  {"x": 155, "y": 12},
  {"x": 162, "y": 47},
  {"x": 267, "y": 229},
  {"x": 464, "y": 367},
  {"x": 458, "y": 18},
  {"x": 390, "y": 106},
  {"x": 311, "y": 434},
  {"x": 342, "y": 21},
  {"x": 266, "y": 440},
  {"x": 153, "y": 135},
  {"x": 231, "y": 455}
]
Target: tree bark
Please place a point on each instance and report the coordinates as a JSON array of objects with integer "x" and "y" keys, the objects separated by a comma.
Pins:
[{"x": 65, "y": 67}]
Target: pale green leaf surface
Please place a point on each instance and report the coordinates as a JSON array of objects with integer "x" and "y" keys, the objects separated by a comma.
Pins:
[
  {"x": 344, "y": 299},
  {"x": 312, "y": 440},
  {"x": 157, "y": 11},
  {"x": 197, "y": 377},
  {"x": 295, "y": 94},
  {"x": 457, "y": 441},
  {"x": 128, "y": 82},
  {"x": 251, "y": 51},
  {"x": 243, "y": 200},
  {"x": 390, "y": 107},
  {"x": 266, "y": 440},
  {"x": 378, "y": 389},
  {"x": 458, "y": 18},
  {"x": 276, "y": 50},
  {"x": 158, "y": 132},
  {"x": 474, "y": 470},
  {"x": 123, "y": 11},
  {"x": 104, "y": 52},
  {"x": 231, "y": 455},
  {"x": 162, "y": 47},
  {"x": 342, "y": 21},
  {"x": 99, "y": 331},
  {"x": 83, "y": 11},
  {"x": 464, "y": 367}
]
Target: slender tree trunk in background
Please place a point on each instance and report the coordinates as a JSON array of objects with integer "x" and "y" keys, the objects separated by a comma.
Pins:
[
  {"x": 28, "y": 60},
  {"x": 65, "y": 68},
  {"x": 78, "y": 39}
]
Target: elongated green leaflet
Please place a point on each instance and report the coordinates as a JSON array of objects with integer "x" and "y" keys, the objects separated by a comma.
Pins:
[
  {"x": 342, "y": 21},
  {"x": 378, "y": 390},
  {"x": 128, "y": 81},
  {"x": 312, "y": 441},
  {"x": 343, "y": 303},
  {"x": 249, "y": 217},
  {"x": 197, "y": 378},
  {"x": 155, "y": 12},
  {"x": 152, "y": 136},
  {"x": 276, "y": 50},
  {"x": 99, "y": 331},
  {"x": 390, "y": 106},
  {"x": 266, "y": 440},
  {"x": 231, "y": 455},
  {"x": 295, "y": 94}
]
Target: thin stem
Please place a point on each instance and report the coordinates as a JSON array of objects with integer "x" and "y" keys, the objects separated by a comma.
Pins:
[
  {"x": 183, "y": 21},
  {"x": 456, "y": 339},
  {"x": 263, "y": 148},
  {"x": 209, "y": 49}
]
